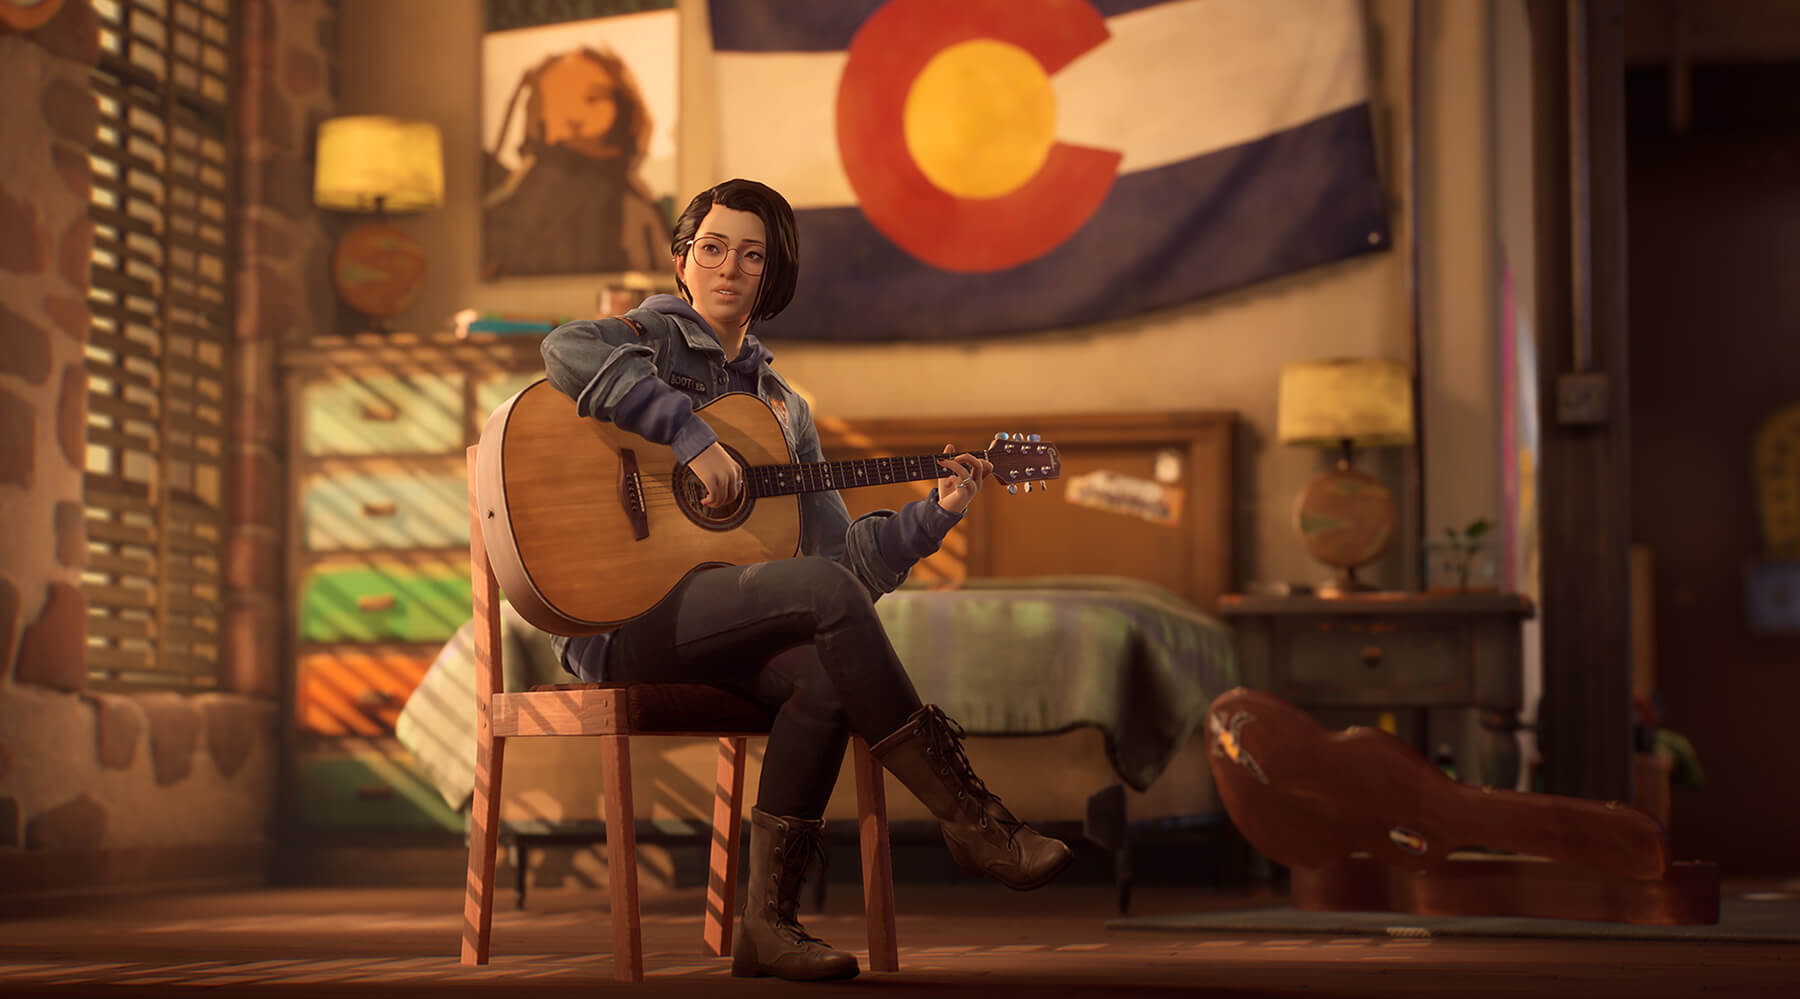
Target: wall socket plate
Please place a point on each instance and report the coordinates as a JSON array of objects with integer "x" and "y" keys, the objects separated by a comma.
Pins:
[
  {"x": 1772, "y": 593},
  {"x": 1583, "y": 398}
]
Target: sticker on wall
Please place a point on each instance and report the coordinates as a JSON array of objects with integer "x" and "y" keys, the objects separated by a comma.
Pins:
[{"x": 1128, "y": 495}]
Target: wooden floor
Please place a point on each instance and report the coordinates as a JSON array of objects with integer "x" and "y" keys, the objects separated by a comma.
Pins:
[{"x": 967, "y": 939}]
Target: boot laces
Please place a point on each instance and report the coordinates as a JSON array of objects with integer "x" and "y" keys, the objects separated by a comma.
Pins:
[
  {"x": 798, "y": 856},
  {"x": 947, "y": 742}
]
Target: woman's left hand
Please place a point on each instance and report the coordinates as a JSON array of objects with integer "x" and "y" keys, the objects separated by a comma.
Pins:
[{"x": 966, "y": 472}]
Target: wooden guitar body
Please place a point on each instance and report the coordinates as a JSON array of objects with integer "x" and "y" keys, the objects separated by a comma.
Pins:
[
  {"x": 588, "y": 526},
  {"x": 1365, "y": 821}
]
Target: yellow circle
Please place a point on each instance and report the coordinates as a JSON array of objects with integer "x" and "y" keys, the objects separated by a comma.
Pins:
[{"x": 980, "y": 118}]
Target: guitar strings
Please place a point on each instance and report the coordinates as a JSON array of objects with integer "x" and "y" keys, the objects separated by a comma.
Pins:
[{"x": 665, "y": 498}]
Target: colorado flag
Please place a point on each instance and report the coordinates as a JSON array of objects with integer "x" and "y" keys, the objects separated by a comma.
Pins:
[{"x": 961, "y": 167}]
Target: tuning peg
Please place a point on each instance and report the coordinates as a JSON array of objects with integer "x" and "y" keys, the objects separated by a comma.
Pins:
[
  {"x": 1003, "y": 437},
  {"x": 1013, "y": 489},
  {"x": 1033, "y": 438},
  {"x": 1027, "y": 487}
]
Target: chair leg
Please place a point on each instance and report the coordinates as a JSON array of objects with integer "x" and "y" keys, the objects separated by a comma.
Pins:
[
  {"x": 484, "y": 843},
  {"x": 490, "y": 750},
  {"x": 621, "y": 858},
  {"x": 722, "y": 872},
  {"x": 877, "y": 860}
]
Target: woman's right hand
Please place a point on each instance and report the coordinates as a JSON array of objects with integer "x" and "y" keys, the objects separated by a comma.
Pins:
[{"x": 723, "y": 479}]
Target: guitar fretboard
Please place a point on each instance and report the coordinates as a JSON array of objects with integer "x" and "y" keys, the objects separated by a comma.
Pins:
[{"x": 817, "y": 476}]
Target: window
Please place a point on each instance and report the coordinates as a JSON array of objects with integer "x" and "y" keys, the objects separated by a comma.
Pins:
[{"x": 157, "y": 352}]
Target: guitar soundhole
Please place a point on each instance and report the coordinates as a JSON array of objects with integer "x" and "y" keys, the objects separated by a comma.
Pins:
[{"x": 690, "y": 491}]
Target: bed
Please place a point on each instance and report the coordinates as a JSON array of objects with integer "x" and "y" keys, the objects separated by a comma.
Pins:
[{"x": 1069, "y": 631}]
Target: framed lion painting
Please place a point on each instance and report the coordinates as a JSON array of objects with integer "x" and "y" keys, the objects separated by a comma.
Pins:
[{"x": 579, "y": 104}]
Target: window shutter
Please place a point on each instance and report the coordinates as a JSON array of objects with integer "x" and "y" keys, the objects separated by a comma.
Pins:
[{"x": 156, "y": 355}]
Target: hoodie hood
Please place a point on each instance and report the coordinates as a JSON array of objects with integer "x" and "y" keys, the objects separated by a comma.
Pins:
[{"x": 749, "y": 359}]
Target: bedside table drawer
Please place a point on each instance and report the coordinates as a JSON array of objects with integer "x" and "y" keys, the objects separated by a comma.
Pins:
[
  {"x": 383, "y": 414},
  {"x": 385, "y": 505},
  {"x": 369, "y": 784},
  {"x": 1377, "y": 662},
  {"x": 390, "y": 599},
  {"x": 356, "y": 690}
]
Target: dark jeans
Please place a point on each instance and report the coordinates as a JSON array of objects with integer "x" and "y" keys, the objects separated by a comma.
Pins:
[{"x": 799, "y": 636}]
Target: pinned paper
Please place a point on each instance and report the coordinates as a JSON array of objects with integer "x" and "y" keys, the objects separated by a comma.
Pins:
[{"x": 1128, "y": 495}]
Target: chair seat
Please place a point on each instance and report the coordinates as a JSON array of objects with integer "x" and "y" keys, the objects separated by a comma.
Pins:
[{"x": 681, "y": 708}]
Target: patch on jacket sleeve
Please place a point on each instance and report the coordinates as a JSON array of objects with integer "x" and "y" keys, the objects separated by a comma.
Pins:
[
  {"x": 636, "y": 327},
  {"x": 781, "y": 413},
  {"x": 682, "y": 381}
]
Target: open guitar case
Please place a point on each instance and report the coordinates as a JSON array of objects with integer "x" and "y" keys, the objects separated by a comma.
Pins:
[{"x": 1366, "y": 823}]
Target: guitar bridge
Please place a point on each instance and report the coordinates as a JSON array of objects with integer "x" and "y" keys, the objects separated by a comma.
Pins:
[{"x": 631, "y": 494}]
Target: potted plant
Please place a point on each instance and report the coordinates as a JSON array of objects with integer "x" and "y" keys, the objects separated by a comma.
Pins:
[{"x": 1463, "y": 561}]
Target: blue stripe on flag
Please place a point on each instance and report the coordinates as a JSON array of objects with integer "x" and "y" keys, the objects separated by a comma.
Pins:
[
  {"x": 1288, "y": 201},
  {"x": 820, "y": 25},
  {"x": 793, "y": 26}
]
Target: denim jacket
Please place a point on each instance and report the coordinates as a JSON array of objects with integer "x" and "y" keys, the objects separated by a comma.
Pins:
[{"x": 599, "y": 363}]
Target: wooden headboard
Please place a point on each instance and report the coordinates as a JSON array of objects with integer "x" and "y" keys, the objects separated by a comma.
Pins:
[{"x": 1045, "y": 533}]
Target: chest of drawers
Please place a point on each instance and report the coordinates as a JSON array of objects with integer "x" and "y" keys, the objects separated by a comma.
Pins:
[{"x": 377, "y": 549}]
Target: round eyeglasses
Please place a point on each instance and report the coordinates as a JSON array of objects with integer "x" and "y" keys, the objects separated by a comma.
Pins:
[{"x": 709, "y": 252}]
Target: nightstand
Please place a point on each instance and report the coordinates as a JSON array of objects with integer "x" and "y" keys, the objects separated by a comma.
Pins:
[
  {"x": 378, "y": 554},
  {"x": 1442, "y": 671}
]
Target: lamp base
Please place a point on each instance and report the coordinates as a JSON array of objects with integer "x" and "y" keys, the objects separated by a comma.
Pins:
[
  {"x": 1345, "y": 519},
  {"x": 378, "y": 270},
  {"x": 1345, "y": 582}
]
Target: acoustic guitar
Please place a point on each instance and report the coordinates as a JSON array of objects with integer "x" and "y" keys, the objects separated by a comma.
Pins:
[{"x": 589, "y": 526}]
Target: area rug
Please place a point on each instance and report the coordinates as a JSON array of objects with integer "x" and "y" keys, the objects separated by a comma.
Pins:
[{"x": 1774, "y": 918}]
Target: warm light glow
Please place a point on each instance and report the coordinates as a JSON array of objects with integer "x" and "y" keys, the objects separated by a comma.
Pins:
[
  {"x": 367, "y": 157},
  {"x": 1368, "y": 402}
]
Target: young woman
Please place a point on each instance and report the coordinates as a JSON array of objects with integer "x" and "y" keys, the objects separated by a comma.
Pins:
[{"x": 799, "y": 635}]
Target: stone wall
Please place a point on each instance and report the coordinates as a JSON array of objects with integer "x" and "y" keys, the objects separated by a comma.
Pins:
[{"x": 96, "y": 788}]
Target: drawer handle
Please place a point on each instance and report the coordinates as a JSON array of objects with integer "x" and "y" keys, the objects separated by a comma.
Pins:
[
  {"x": 1371, "y": 656},
  {"x": 375, "y": 602},
  {"x": 381, "y": 412},
  {"x": 378, "y": 509},
  {"x": 373, "y": 700}
]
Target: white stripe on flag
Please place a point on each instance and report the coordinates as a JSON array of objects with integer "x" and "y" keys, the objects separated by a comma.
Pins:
[
  {"x": 778, "y": 124},
  {"x": 1179, "y": 80},
  {"x": 1174, "y": 81}
]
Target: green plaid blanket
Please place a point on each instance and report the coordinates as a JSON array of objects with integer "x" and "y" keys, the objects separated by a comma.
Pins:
[{"x": 1048, "y": 653}]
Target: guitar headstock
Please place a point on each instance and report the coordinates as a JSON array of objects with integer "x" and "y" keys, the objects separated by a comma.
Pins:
[{"x": 1020, "y": 459}]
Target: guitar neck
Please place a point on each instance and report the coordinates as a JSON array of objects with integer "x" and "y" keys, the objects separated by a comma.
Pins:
[{"x": 818, "y": 476}]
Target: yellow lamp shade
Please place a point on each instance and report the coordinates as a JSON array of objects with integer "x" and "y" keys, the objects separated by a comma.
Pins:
[
  {"x": 372, "y": 162},
  {"x": 1364, "y": 401}
]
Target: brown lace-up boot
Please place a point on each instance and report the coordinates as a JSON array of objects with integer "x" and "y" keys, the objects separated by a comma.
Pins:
[
  {"x": 768, "y": 939},
  {"x": 926, "y": 755}
]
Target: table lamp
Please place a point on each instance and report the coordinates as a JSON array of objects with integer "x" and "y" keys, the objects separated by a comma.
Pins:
[
  {"x": 1345, "y": 518},
  {"x": 373, "y": 163}
]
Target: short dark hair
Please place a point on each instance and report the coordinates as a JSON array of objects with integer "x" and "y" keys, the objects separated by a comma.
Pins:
[{"x": 783, "y": 268}]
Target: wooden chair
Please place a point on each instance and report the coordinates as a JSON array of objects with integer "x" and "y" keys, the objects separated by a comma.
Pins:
[{"x": 614, "y": 713}]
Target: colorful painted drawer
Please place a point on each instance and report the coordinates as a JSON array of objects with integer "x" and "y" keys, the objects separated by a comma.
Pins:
[
  {"x": 369, "y": 784},
  {"x": 383, "y": 414},
  {"x": 388, "y": 598},
  {"x": 490, "y": 393},
  {"x": 356, "y": 690},
  {"x": 381, "y": 504}
]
